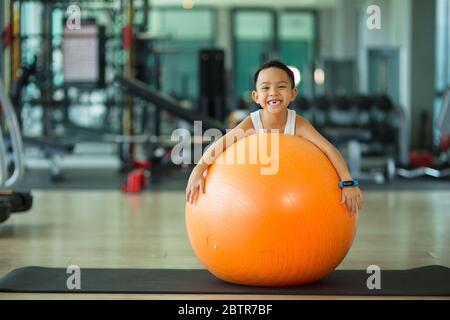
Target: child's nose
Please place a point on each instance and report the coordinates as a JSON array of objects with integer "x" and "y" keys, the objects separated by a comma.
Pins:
[{"x": 273, "y": 91}]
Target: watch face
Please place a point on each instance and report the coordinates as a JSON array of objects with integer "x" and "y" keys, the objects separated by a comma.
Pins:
[{"x": 349, "y": 183}]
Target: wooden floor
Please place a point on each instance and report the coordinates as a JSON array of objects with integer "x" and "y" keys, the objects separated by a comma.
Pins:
[{"x": 107, "y": 229}]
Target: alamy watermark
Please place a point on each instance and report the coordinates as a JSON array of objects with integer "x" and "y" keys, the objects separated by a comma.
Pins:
[
  {"x": 264, "y": 151},
  {"x": 373, "y": 22},
  {"x": 74, "y": 20},
  {"x": 374, "y": 281},
  {"x": 74, "y": 280}
]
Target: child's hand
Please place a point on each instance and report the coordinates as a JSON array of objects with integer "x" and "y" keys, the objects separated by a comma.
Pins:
[
  {"x": 353, "y": 198},
  {"x": 196, "y": 182}
]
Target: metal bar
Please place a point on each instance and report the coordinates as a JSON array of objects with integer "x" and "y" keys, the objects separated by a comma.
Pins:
[
  {"x": 16, "y": 141},
  {"x": 3, "y": 162},
  {"x": 423, "y": 171},
  {"x": 167, "y": 103}
]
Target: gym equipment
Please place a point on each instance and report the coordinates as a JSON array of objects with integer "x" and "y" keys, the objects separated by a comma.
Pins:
[
  {"x": 358, "y": 140},
  {"x": 212, "y": 84},
  {"x": 58, "y": 84},
  {"x": 51, "y": 149},
  {"x": 16, "y": 143},
  {"x": 163, "y": 103},
  {"x": 136, "y": 179},
  {"x": 11, "y": 202},
  {"x": 304, "y": 108},
  {"x": 280, "y": 228},
  {"x": 370, "y": 131},
  {"x": 321, "y": 105},
  {"x": 423, "y": 281},
  {"x": 84, "y": 55},
  {"x": 166, "y": 103},
  {"x": 423, "y": 171},
  {"x": 443, "y": 124}
]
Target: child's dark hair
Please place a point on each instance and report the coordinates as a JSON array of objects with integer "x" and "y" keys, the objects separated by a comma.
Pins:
[{"x": 275, "y": 64}]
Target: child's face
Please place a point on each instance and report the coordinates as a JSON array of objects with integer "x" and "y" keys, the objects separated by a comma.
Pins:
[{"x": 273, "y": 90}]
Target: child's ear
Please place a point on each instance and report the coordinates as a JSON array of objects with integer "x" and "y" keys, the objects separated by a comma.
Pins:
[
  {"x": 294, "y": 93},
  {"x": 255, "y": 96}
]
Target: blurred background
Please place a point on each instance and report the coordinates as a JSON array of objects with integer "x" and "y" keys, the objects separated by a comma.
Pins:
[{"x": 99, "y": 86}]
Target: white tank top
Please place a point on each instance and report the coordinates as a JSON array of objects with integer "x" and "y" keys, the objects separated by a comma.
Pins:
[{"x": 289, "y": 128}]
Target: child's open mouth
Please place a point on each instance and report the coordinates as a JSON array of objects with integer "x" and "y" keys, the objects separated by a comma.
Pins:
[{"x": 274, "y": 103}]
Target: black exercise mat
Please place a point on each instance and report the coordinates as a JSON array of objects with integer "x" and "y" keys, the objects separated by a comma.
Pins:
[{"x": 425, "y": 281}]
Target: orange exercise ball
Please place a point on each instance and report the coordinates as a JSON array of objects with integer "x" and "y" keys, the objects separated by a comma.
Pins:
[{"x": 280, "y": 227}]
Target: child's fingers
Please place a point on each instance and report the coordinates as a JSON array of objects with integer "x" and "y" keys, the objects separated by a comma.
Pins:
[
  {"x": 197, "y": 194},
  {"x": 193, "y": 192},
  {"x": 202, "y": 187},
  {"x": 342, "y": 198},
  {"x": 360, "y": 203},
  {"x": 348, "y": 202},
  {"x": 360, "y": 197},
  {"x": 188, "y": 193},
  {"x": 355, "y": 206},
  {"x": 193, "y": 196}
]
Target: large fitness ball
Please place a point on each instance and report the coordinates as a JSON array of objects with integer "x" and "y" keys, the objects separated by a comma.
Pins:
[{"x": 279, "y": 227}]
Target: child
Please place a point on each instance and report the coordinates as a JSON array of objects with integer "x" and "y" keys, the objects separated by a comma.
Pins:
[{"x": 274, "y": 90}]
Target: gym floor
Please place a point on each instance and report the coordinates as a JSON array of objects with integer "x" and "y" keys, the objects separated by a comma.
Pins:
[{"x": 397, "y": 230}]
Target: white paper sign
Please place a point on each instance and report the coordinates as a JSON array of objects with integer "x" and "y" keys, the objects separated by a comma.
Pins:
[{"x": 80, "y": 54}]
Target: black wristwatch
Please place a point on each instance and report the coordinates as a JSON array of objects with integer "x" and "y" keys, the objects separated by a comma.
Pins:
[{"x": 348, "y": 183}]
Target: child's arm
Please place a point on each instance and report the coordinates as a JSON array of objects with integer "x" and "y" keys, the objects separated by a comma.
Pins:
[
  {"x": 196, "y": 180},
  {"x": 352, "y": 196}
]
